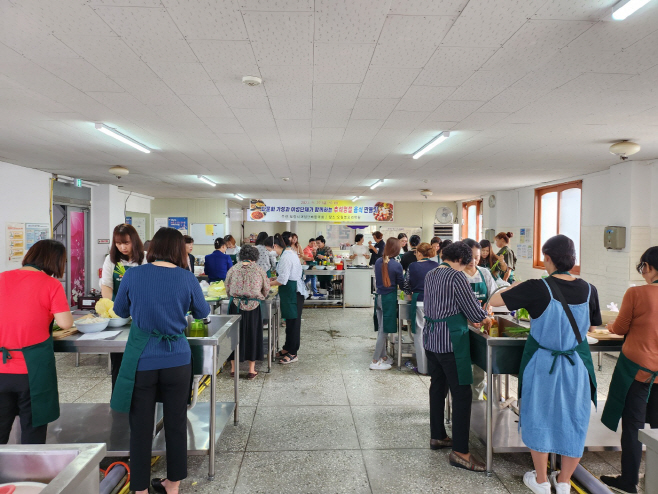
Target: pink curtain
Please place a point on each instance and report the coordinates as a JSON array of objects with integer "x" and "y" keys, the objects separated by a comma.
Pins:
[{"x": 77, "y": 246}]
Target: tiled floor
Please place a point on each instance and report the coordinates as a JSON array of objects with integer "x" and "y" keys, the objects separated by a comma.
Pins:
[{"x": 328, "y": 424}]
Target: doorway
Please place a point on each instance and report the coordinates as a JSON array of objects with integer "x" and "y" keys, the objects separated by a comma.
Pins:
[{"x": 71, "y": 227}]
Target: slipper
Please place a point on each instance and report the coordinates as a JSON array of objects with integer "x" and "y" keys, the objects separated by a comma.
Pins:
[
  {"x": 252, "y": 375},
  {"x": 157, "y": 486},
  {"x": 232, "y": 374},
  {"x": 288, "y": 359}
]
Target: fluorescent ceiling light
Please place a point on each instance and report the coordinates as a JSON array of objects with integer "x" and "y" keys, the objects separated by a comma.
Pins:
[
  {"x": 123, "y": 138},
  {"x": 356, "y": 198},
  {"x": 206, "y": 180},
  {"x": 377, "y": 184},
  {"x": 432, "y": 144},
  {"x": 238, "y": 196},
  {"x": 627, "y": 7}
]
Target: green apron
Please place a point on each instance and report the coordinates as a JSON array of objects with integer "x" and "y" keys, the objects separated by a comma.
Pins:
[
  {"x": 461, "y": 344},
  {"x": 123, "y": 390},
  {"x": 622, "y": 378},
  {"x": 582, "y": 350},
  {"x": 234, "y": 258},
  {"x": 413, "y": 308},
  {"x": 42, "y": 377},
  {"x": 480, "y": 289},
  {"x": 288, "y": 298},
  {"x": 389, "y": 312},
  {"x": 261, "y": 303}
]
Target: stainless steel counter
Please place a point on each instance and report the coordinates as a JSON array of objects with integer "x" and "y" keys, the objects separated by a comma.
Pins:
[
  {"x": 324, "y": 272},
  {"x": 84, "y": 423}
]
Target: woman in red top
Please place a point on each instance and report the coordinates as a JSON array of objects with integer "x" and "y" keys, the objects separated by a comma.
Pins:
[{"x": 29, "y": 299}]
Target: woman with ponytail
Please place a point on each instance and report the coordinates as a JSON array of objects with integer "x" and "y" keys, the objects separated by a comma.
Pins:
[
  {"x": 388, "y": 276},
  {"x": 506, "y": 256}
]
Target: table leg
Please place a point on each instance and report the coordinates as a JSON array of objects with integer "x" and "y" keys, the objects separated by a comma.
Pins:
[
  {"x": 600, "y": 358},
  {"x": 213, "y": 406},
  {"x": 77, "y": 359},
  {"x": 342, "y": 289},
  {"x": 270, "y": 341},
  {"x": 399, "y": 344},
  {"x": 489, "y": 414},
  {"x": 236, "y": 391},
  {"x": 506, "y": 387}
]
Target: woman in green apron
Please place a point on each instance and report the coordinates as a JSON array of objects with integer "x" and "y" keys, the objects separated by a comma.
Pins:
[
  {"x": 633, "y": 393},
  {"x": 449, "y": 305},
  {"x": 247, "y": 285},
  {"x": 414, "y": 287},
  {"x": 29, "y": 299},
  {"x": 556, "y": 375},
  {"x": 292, "y": 293},
  {"x": 127, "y": 251},
  {"x": 322, "y": 254},
  {"x": 231, "y": 249},
  {"x": 157, "y": 360},
  {"x": 506, "y": 262},
  {"x": 388, "y": 277},
  {"x": 483, "y": 285}
]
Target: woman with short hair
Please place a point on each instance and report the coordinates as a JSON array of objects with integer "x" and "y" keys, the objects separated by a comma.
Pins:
[
  {"x": 633, "y": 393},
  {"x": 246, "y": 286},
  {"x": 377, "y": 249},
  {"x": 556, "y": 379},
  {"x": 231, "y": 248},
  {"x": 266, "y": 257},
  {"x": 449, "y": 305},
  {"x": 157, "y": 362},
  {"x": 218, "y": 263},
  {"x": 359, "y": 253},
  {"x": 189, "y": 246},
  {"x": 30, "y": 298}
]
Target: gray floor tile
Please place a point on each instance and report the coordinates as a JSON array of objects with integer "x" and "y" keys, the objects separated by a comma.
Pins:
[
  {"x": 385, "y": 388},
  {"x": 423, "y": 471},
  {"x": 90, "y": 366},
  {"x": 304, "y": 390},
  {"x": 235, "y": 437},
  {"x": 387, "y": 427},
  {"x": 100, "y": 393},
  {"x": 327, "y": 472},
  {"x": 310, "y": 346},
  {"x": 305, "y": 427},
  {"x": 355, "y": 343},
  {"x": 227, "y": 467},
  {"x": 318, "y": 364},
  {"x": 249, "y": 391},
  {"x": 72, "y": 388}
]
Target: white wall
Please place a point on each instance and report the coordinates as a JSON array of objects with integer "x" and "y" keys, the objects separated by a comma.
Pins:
[
  {"x": 24, "y": 198},
  {"x": 107, "y": 211}
]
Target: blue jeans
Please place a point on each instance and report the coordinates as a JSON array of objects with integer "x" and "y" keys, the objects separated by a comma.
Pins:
[{"x": 314, "y": 282}]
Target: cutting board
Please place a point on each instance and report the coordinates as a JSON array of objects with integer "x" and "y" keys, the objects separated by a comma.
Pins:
[
  {"x": 606, "y": 336},
  {"x": 63, "y": 333}
]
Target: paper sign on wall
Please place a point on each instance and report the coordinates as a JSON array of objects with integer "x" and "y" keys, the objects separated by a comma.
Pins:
[
  {"x": 35, "y": 232},
  {"x": 139, "y": 224},
  {"x": 367, "y": 211},
  {"x": 160, "y": 223},
  {"x": 179, "y": 223},
  {"x": 15, "y": 242}
]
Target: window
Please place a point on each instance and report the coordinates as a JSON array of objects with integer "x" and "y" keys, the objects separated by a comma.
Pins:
[
  {"x": 557, "y": 211},
  {"x": 472, "y": 219}
]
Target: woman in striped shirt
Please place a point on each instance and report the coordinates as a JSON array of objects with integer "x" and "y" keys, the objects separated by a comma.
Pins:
[{"x": 449, "y": 304}]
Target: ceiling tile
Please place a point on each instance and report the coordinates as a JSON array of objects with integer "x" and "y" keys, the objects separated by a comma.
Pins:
[
  {"x": 452, "y": 65},
  {"x": 349, "y": 21},
  {"x": 373, "y": 108},
  {"x": 454, "y": 111},
  {"x": 331, "y": 117},
  {"x": 328, "y": 96},
  {"x": 277, "y": 5},
  {"x": 80, "y": 74},
  {"x": 387, "y": 82},
  {"x": 480, "y": 121},
  {"x": 288, "y": 81},
  {"x": 428, "y": 7},
  {"x": 574, "y": 10},
  {"x": 185, "y": 78},
  {"x": 424, "y": 98},
  {"x": 207, "y": 106},
  {"x": 334, "y": 54},
  {"x": 227, "y": 53},
  {"x": 340, "y": 74},
  {"x": 289, "y": 107},
  {"x": 405, "y": 119},
  {"x": 485, "y": 84},
  {"x": 207, "y": 19}
]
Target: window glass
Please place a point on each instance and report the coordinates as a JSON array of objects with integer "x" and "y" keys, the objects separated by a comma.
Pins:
[
  {"x": 548, "y": 218},
  {"x": 570, "y": 217},
  {"x": 472, "y": 222}
]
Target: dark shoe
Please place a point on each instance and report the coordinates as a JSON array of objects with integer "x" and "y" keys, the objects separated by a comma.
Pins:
[
  {"x": 473, "y": 465},
  {"x": 440, "y": 443},
  {"x": 618, "y": 485},
  {"x": 158, "y": 488}
]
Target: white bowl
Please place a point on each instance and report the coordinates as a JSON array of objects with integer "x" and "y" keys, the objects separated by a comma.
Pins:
[
  {"x": 319, "y": 267},
  {"x": 94, "y": 327},
  {"x": 118, "y": 322},
  {"x": 305, "y": 267},
  {"x": 26, "y": 487},
  {"x": 330, "y": 268}
]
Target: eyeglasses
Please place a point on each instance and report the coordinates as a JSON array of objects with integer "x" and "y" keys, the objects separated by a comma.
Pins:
[{"x": 640, "y": 267}]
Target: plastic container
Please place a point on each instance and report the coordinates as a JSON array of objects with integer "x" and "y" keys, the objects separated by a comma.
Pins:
[
  {"x": 118, "y": 322},
  {"x": 95, "y": 327},
  {"x": 198, "y": 329},
  {"x": 339, "y": 267}
]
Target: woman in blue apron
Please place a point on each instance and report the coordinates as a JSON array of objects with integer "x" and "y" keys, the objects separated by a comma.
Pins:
[
  {"x": 127, "y": 251},
  {"x": 556, "y": 379},
  {"x": 157, "y": 360},
  {"x": 449, "y": 305},
  {"x": 388, "y": 277},
  {"x": 633, "y": 394},
  {"x": 29, "y": 299},
  {"x": 414, "y": 287},
  {"x": 247, "y": 285},
  {"x": 483, "y": 285},
  {"x": 292, "y": 293}
]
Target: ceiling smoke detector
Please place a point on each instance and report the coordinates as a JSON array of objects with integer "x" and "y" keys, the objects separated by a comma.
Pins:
[
  {"x": 624, "y": 149},
  {"x": 252, "y": 80},
  {"x": 426, "y": 193},
  {"x": 119, "y": 171}
]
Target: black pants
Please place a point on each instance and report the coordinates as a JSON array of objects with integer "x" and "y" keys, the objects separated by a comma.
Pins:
[
  {"x": 443, "y": 371},
  {"x": 636, "y": 413},
  {"x": 251, "y": 334},
  {"x": 294, "y": 328},
  {"x": 15, "y": 400},
  {"x": 115, "y": 365},
  {"x": 172, "y": 386}
]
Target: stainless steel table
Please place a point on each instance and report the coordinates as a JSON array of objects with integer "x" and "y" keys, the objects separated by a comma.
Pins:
[
  {"x": 273, "y": 317},
  {"x": 97, "y": 423},
  {"x": 324, "y": 272}
]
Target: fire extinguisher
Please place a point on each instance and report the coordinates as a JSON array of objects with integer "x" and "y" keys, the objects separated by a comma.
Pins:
[{"x": 100, "y": 272}]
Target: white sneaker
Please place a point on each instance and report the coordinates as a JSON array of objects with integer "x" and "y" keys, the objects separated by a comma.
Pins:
[
  {"x": 560, "y": 487},
  {"x": 379, "y": 365},
  {"x": 530, "y": 480}
]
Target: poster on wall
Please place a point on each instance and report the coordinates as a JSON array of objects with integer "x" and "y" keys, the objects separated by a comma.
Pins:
[
  {"x": 271, "y": 210},
  {"x": 35, "y": 232},
  {"x": 77, "y": 248},
  {"x": 339, "y": 234},
  {"x": 160, "y": 223},
  {"x": 15, "y": 242},
  {"x": 140, "y": 226},
  {"x": 179, "y": 223},
  {"x": 524, "y": 246}
]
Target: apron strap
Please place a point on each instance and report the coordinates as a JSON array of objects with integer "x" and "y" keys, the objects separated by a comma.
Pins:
[
  {"x": 559, "y": 353},
  {"x": 652, "y": 379},
  {"x": 166, "y": 337},
  {"x": 6, "y": 355}
]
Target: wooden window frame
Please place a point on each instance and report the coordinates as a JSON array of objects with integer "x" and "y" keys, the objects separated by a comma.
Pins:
[
  {"x": 537, "y": 263},
  {"x": 478, "y": 218}
]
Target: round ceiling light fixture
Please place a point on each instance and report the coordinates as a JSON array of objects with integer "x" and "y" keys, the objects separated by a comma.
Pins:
[
  {"x": 252, "y": 80},
  {"x": 426, "y": 193},
  {"x": 624, "y": 149},
  {"x": 119, "y": 171},
  {"x": 285, "y": 179}
]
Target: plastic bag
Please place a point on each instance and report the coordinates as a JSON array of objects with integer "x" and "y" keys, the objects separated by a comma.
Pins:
[
  {"x": 217, "y": 290},
  {"x": 204, "y": 286}
]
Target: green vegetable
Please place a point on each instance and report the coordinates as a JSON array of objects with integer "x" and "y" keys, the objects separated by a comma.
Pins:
[
  {"x": 523, "y": 314},
  {"x": 120, "y": 269},
  {"x": 517, "y": 331}
]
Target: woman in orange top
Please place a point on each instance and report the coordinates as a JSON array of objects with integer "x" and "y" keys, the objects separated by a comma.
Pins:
[{"x": 633, "y": 395}]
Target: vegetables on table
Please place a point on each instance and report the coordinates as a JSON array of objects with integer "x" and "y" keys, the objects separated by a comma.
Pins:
[
  {"x": 120, "y": 269},
  {"x": 523, "y": 314},
  {"x": 105, "y": 308}
]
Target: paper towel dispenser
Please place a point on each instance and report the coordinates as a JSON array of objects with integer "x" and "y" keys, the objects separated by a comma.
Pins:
[{"x": 614, "y": 237}]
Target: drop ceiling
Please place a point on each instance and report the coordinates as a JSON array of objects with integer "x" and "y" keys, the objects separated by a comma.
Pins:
[{"x": 531, "y": 91}]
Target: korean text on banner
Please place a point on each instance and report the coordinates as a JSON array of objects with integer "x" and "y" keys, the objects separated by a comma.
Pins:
[{"x": 271, "y": 210}]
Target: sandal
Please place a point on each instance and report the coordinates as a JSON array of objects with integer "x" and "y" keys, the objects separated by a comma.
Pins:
[
  {"x": 157, "y": 486},
  {"x": 288, "y": 359},
  {"x": 252, "y": 375},
  {"x": 280, "y": 354},
  {"x": 232, "y": 374}
]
